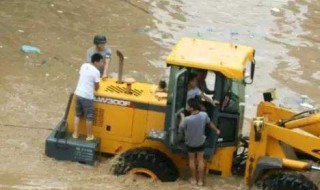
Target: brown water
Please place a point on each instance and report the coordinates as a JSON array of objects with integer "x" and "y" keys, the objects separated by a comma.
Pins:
[{"x": 34, "y": 88}]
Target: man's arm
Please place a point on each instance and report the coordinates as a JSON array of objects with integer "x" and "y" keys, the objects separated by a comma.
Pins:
[
  {"x": 212, "y": 125},
  {"x": 182, "y": 120},
  {"x": 107, "y": 62},
  {"x": 214, "y": 128},
  {"x": 203, "y": 86},
  {"x": 97, "y": 80},
  {"x": 207, "y": 91},
  {"x": 106, "y": 67},
  {"x": 207, "y": 99},
  {"x": 96, "y": 86}
]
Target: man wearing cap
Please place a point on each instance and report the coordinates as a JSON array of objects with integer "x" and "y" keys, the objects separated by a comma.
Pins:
[{"x": 101, "y": 47}]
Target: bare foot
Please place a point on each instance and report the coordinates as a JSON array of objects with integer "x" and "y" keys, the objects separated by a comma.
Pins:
[
  {"x": 90, "y": 138},
  {"x": 193, "y": 181},
  {"x": 200, "y": 183},
  {"x": 75, "y": 135}
]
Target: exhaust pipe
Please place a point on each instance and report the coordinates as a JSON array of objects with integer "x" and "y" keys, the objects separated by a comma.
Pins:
[
  {"x": 120, "y": 72},
  {"x": 317, "y": 168}
]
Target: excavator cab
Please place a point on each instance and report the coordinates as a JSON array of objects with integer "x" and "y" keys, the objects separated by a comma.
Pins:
[{"x": 227, "y": 62}]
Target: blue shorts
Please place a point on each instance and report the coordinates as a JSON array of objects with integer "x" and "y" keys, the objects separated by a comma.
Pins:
[{"x": 84, "y": 107}]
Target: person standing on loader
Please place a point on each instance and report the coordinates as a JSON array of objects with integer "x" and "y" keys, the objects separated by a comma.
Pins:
[
  {"x": 194, "y": 127},
  {"x": 88, "y": 82},
  {"x": 101, "y": 47}
]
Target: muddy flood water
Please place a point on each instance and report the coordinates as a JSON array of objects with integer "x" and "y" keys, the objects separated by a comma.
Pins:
[{"x": 34, "y": 88}]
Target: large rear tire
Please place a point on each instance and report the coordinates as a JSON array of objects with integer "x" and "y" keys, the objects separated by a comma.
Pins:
[
  {"x": 287, "y": 181},
  {"x": 146, "y": 161}
]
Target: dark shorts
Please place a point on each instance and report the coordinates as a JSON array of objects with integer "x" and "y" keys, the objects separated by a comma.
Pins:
[
  {"x": 84, "y": 107},
  {"x": 195, "y": 149}
]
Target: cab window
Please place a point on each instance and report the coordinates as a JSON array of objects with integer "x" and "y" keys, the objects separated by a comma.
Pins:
[{"x": 233, "y": 93}]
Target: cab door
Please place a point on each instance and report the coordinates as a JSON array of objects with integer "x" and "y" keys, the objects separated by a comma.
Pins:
[
  {"x": 177, "y": 103},
  {"x": 228, "y": 116}
]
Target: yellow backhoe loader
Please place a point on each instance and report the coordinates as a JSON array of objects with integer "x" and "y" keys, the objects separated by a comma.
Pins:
[{"x": 140, "y": 125}]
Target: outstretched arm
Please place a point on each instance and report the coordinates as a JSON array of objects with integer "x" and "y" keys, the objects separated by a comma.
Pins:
[
  {"x": 96, "y": 86},
  {"x": 207, "y": 91},
  {"x": 214, "y": 128},
  {"x": 107, "y": 62},
  {"x": 181, "y": 124},
  {"x": 211, "y": 101},
  {"x": 106, "y": 67}
]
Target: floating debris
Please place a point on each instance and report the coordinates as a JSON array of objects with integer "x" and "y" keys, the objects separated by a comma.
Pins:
[
  {"x": 234, "y": 33},
  {"x": 276, "y": 10},
  {"x": 30, "y": 49}
]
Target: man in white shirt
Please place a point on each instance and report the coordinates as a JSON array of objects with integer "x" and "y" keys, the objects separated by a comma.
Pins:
[{"x": 88, "y": 82}]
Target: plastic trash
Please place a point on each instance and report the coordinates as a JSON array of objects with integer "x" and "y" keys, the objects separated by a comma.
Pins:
[
  {"x": 276, "y": 10},
  {"x": 30, "y": 49}
]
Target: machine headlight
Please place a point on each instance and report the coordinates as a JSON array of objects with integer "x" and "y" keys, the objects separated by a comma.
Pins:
[{"x": 157, "y": 134}]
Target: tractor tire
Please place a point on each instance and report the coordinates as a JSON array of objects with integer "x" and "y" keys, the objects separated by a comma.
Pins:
[
  {"x": 147, "y": 158},
  {"x": 287, "y": 181}
]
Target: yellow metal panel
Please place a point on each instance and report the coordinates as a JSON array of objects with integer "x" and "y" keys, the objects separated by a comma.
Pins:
[
  {"x": 70, "y": 119},
  {"x": 294, "y": 164},
  {"x": 155, "y": 121},
  {"x": 111, "y": 89},
  {"x": 120, "y": 120},
  {"x": 229, "y": 59},
  {"x": 256, "y": 150},
  {"x": 313, "y": 129},
  {"x": 311, "y": 120},
  {"x": 272, "y": 113},
  {"x": 222, "y": 161},
  {"x": 303, "y": 142},
  {"x": 114, "y": 146},
  {"x": 274, "y": 148},
  {"x": 139, "y": 125}
]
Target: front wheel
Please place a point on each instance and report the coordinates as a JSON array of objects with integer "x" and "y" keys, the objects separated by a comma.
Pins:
[
  {"x": 147, "y": 162},
  {"x": 286, "y": 181}
]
